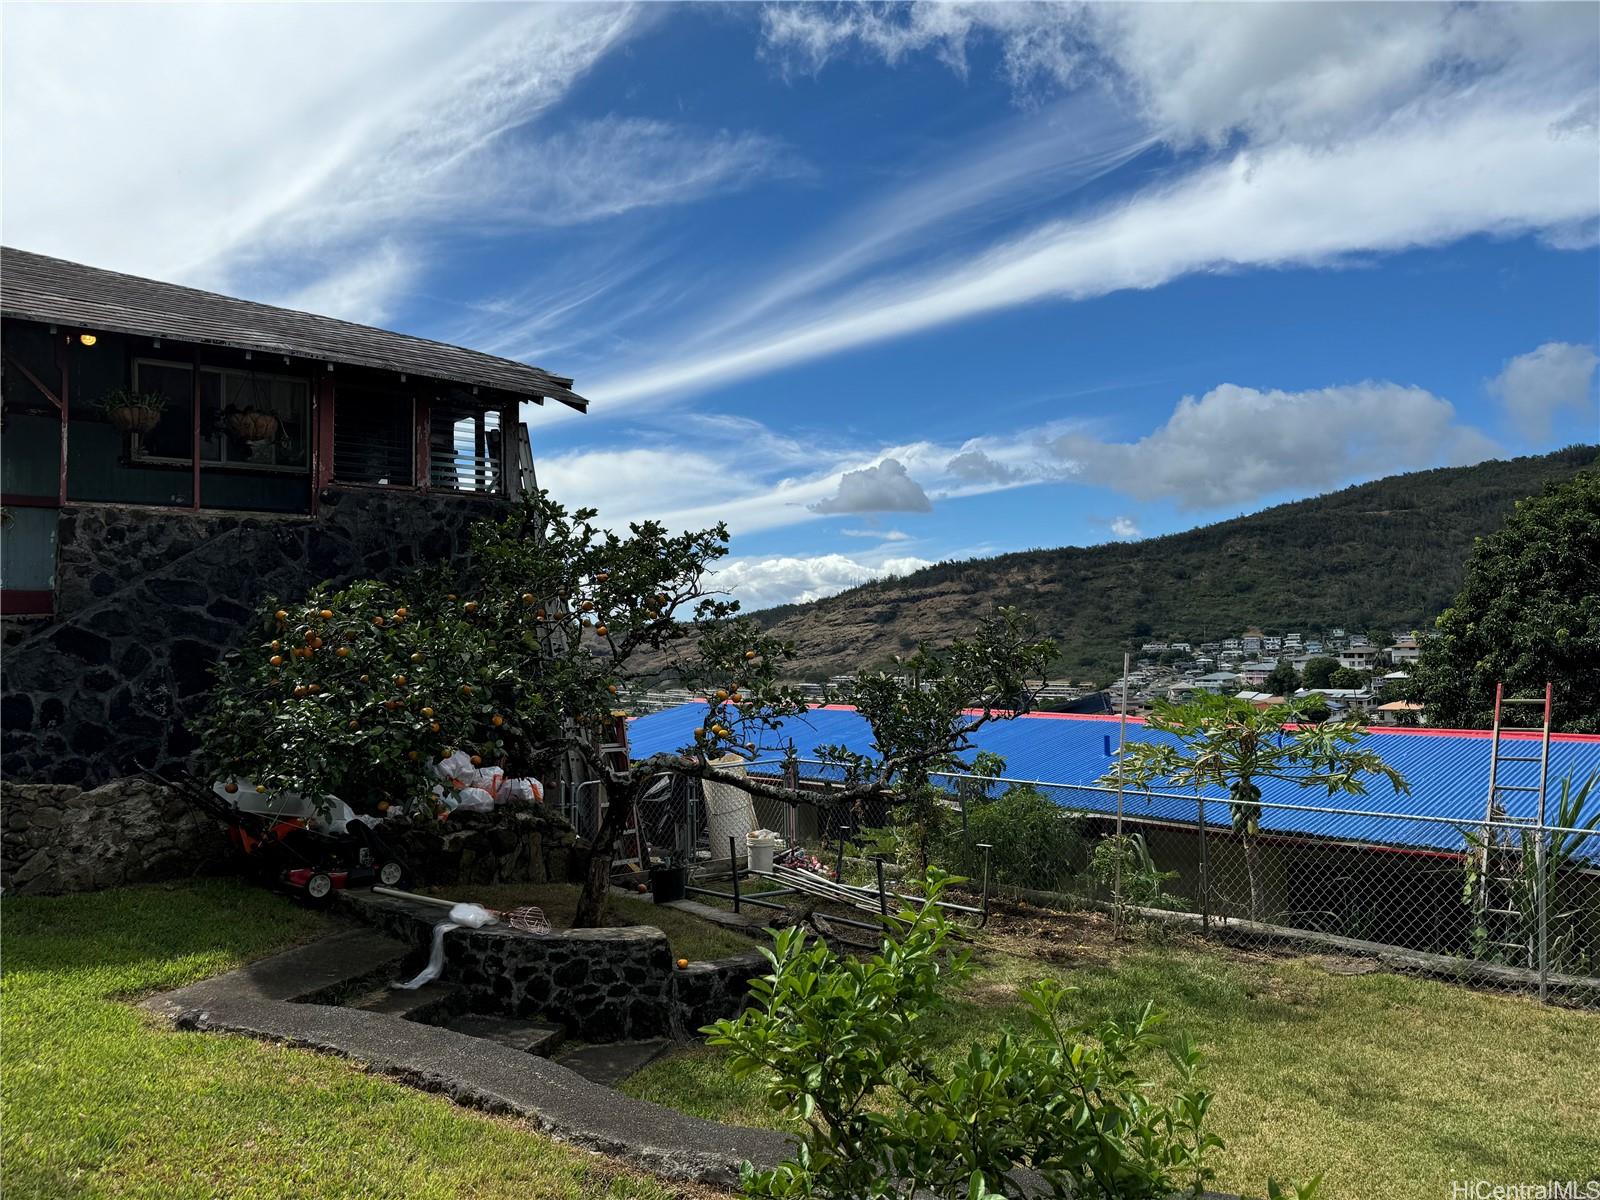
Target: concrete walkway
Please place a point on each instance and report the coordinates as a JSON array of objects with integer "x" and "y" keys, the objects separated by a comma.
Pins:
[{"x": 266, "y": 1000}]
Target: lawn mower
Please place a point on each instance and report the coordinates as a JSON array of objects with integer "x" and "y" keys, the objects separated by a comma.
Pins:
[{"x": 284, "y": 849}]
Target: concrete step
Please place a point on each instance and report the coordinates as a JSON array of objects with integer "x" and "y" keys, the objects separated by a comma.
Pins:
[
  {"x": 609, "y": 1063},
  {"x": 531, "y": 1037},
  {"x": 428, "y": 1003},
  {"x": 329, "y": 970}
]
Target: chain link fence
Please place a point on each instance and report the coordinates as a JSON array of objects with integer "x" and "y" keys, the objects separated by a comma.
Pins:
[{"x": 1507, "y": 903}]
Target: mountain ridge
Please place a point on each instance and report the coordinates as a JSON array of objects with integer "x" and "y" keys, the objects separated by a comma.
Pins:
[{"x": 1307, "y": 565}]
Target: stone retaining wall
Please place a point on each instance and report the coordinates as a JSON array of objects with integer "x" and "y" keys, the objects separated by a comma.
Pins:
[
  {"x": 148, "y": 599},
  {"x": 60, "y": 838},
  {"x": 614, "y": 984}
]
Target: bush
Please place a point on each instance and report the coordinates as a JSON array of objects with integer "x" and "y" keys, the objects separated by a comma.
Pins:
[
  {"x": 845, "y": 1044},
  {"x": 1036, "y": 843}
]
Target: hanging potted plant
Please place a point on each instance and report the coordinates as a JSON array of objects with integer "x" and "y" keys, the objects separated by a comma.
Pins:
[
  {"x": 133, "y": 412},
  {"x": 253, "y": 425}
]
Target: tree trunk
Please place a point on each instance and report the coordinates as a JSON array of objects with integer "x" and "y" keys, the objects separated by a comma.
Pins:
[
  {"x": 597, "y": 880},
  {"x": 1252, "y": 868}
]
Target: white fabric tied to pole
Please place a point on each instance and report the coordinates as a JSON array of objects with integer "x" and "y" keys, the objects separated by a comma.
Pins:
[{"x": 473, "y": 916}]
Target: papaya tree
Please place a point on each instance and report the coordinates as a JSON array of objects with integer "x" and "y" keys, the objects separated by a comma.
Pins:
[{"x": 1225, "y": 742}]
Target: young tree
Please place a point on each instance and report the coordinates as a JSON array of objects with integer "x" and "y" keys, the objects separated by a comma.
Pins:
[
  {"x": 1224, "y": 742},
  {"x": 1527, "y": 613},
  {"x": 1349, "y": 677},
  {"x": 518, "y": 657}
]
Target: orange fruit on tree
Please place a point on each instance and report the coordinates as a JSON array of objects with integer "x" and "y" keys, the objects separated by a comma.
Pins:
[
  {"x": 377, "y": 620},
  {"x": 476, "y": 760},
  {"x": 230, "y": 787},
  {"x": 497, "y": 720},
  {"x": 399, "y": 681},
  {"x": 326, "y": 614},
  {"x": 354, "y": 725},
  {"x": 433, "y": 727},
  {"x": 417, "y": 657},
  {"x": 413, "y": 755},
  {"x": 612, "y": 688},
  {"x": 683, "y": 964},
  {"x": 364, "y": 678},
  {"x": 402, "y": 612},
  {"x": 722, "y": 693},
  {"x": 527, "y": 597},
  {"x": 466, "y": 689},
  {"x": 299, "y": 690},
  {"x": 451, "y": 596},
  {"x": 343, "y": 651},
  {"x": 427, "y": 712},
  {"x": 601, "y": 630},
  {"x": 276, "y": 660},
  {"x": 281, "y": 615},
  {"x": 470, "y": 607},
  {"x": 749, "y": 655},
  {"x": 316, "y": 643},
  {"x": 276, "y": 644},
  {"x": 700, "y": 733}
]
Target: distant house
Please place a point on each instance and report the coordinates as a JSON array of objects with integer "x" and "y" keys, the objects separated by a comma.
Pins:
[
  {"x": 1397, "y": 712},
  {"x": 172, "y": 457},
  {"x": 1384, "y": 682},
  {"x": 1254, "y": 674},
  {"x": 1359, "y": 658},
  {"x": 1259, "y": 699},
  {"x": 1341, "y": 699},
  {"x": 1405, "y": 651},
  {"x": 1217, "y": 681}
]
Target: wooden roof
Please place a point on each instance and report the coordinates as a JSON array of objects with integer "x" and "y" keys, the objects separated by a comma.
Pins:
[{"x": 35, "y": 287}]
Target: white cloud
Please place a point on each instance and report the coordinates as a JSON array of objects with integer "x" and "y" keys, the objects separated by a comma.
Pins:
[
  {"x": 1125, "y": 527},
  {"x": 1419, "y": 181},
  {"x": 1203, "y": 72},
  {"x": 763, "y": 582},
  {"x": 1536, "y": 386},
  {"x": 975, "y": 466},
  {"x": 883, "y": 487},
  {"x": 311, "y": 154},
  {"x": 1236, "y": 445},
  {"x": 882, "y": 535}
]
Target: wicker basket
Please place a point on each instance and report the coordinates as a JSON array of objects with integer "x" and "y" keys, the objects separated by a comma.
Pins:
[
  {"x": 132, "y": 418},
  {"x": 253, "y": 426}
]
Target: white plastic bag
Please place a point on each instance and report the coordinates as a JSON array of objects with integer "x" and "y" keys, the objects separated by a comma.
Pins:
[
  {"x": 454, "y": 767},
  {"x": 474, "y": 799},
  {"x": 523, "y": 791}
]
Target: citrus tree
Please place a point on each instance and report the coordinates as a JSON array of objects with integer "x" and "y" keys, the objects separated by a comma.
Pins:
[
  {"x": 517, "y": 657},
  {"x": 1226, "y": 742}
]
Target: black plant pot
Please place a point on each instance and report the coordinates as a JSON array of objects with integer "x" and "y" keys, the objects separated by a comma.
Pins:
[{"x": 669, "y": 883}]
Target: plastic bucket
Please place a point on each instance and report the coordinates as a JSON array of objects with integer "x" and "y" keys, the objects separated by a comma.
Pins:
[{"x": 761, "y": 851}]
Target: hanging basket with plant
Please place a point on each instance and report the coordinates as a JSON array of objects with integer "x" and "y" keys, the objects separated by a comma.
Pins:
[
  {"x": 253, "y": 425},
  {"x": 133, "y": 412}
]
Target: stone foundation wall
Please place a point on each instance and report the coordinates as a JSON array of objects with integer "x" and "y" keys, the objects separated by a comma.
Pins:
[
  {"x": 508, "y": 845},
  {"x": 616, "y": 984},
  {"x": 149, "y": 599},
  {"x": 60, "y": 838}
]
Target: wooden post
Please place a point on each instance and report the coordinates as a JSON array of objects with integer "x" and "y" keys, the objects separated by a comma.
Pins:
[
  {"x": 422, "y": 468},
  {"x": 64, "y": 364},
  {"x": 194, "y": 428},
  {"x": 322, "y": 443}
]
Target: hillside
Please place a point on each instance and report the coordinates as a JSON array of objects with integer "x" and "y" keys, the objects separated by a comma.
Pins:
[{"x": 1387, "y": 555}]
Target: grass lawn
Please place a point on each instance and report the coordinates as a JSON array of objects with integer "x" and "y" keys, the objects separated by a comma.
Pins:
[
  {"x": 100, "y": 1101},
  {"x": 690, "y": 937},
  {"x": 1389, "y": 1085}
]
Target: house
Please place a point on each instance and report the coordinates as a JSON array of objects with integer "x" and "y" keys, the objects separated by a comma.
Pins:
[
  {"x": 1259, "y": 699},
  {"x": 1341, "y": 699},
  {"x": 1359, "y": 658},
  {"x": 172, "y": 456},
  {"x": 1254, "y": 674},
  {"x": 1405, "y": 651},
  {"x": 1217, "y": 681},
  {"x": 1398, "y": 712},
  {"x": 1384, "y": 682}
]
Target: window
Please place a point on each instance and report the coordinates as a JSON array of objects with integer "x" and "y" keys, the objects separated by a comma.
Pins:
[
  {"x": 248, "y": 420},
  {"x": 464, "y": 450},
  {"x": 373, "y": 437}
]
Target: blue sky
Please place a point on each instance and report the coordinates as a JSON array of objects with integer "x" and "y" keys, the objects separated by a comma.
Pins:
[{"x": 881, "y": 286}]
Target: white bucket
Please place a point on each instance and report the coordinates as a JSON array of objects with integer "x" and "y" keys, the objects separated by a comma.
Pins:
[{"x": 761, "y": 851}]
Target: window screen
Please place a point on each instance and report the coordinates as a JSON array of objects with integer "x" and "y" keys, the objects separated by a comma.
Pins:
[{"x": 372, "y": 436}]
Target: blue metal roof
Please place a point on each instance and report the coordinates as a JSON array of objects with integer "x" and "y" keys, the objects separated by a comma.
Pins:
[{"x": 1448, "y": 771}]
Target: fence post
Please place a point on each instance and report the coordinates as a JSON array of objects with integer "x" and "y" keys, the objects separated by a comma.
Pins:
[
  {"x": 733, "y": 871},
  {"x": 1541, "y": 864},
  {"x": 1205, "y": 869}
]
